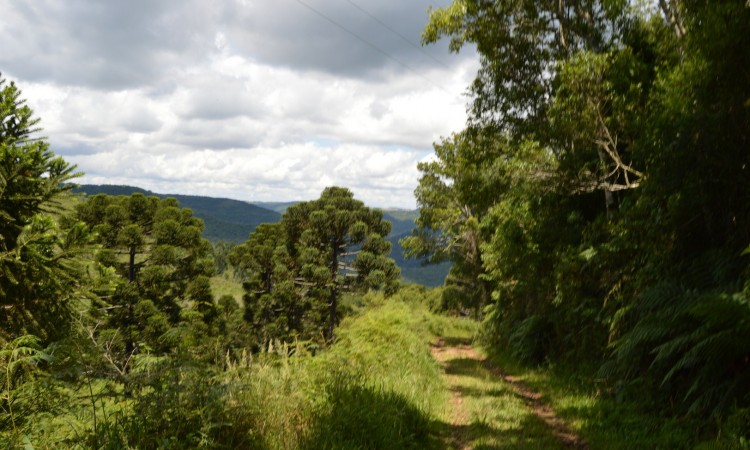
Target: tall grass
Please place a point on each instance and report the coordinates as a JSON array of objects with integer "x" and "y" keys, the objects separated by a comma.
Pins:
[{"x": 376, "y": 387}]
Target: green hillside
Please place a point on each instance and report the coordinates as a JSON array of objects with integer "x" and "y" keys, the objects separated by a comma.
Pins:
[
  {"x": 279, "y": 207},
  {"x": 225, "y": 219}
]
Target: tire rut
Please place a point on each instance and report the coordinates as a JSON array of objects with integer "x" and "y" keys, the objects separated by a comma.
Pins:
[{"x": 532, "y": 399}]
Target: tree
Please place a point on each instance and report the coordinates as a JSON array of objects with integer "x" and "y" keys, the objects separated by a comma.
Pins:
[
  {"x": 555, "y": 116},
  {"x": 40, "y": 270},
  {"x": 163, "y": 263},
  {"x": 273, "y": 308},
  {"x": 680, "y": 332},
  {"x": 221, "y": 251},
  {"x": 454, "y": 195},
  {"x": 520, "y": 43},
  {"x": 643, "y": 107},
  {"x": 300, "y": 267},
  {"x": 339, "y": 244}
]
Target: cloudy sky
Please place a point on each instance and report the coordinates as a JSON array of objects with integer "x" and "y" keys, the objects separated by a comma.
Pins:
[{"x": 248, "y": 99}]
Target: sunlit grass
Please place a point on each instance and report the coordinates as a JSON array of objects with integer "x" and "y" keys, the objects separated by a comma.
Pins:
[
  {"x": 376, "y": 387},
  {"x": 224, "y": 285},
  {"x": 602, "y": 420},
  {"x": 495, "y": 416},
  {"x": 480, "y": 410}
]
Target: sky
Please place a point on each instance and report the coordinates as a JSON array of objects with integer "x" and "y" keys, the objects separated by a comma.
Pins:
[{"x": 255, "y": 100}]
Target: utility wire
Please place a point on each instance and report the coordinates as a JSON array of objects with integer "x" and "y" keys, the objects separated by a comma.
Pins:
[
  {"x": 404, "y": 38},
  {"x": 370, "y": 44}
]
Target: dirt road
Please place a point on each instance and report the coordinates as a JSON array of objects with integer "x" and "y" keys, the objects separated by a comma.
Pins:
[{"x": 488, "y": 409}]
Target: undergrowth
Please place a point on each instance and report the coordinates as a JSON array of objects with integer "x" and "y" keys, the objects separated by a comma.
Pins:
[{"x": 376, "y": 387}]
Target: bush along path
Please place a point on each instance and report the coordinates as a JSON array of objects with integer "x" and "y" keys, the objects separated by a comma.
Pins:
[{"x": 488, "y": 409}]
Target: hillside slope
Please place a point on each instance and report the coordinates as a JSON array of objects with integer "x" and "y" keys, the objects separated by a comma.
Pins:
[
  {"x": 225, "y": 219},
  {"x": 413, "y": 270}
]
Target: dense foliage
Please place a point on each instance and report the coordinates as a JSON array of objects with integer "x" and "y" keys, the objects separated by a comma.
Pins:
[
  {"x": 161, "y": 263},
  {"x": 111, "y": 335},
  {"x": 600, "y": 194},
  {"x": 39, "y": 271},
  {"x": 298, "y": 269}
]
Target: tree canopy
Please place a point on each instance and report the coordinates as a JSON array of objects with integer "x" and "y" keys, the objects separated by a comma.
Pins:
[
  {"x": 600, "y": 190},
  {"x": 300, "y": 267},
  {"x": 162, "y": 262}
]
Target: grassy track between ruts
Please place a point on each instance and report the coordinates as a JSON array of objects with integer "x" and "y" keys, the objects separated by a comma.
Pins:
[{"x": 483, "y": 411}]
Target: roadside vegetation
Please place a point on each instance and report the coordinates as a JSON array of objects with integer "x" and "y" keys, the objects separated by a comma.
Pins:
[
  {"x": 596, "y": 206},
  {"x": 377, "y": 387}
]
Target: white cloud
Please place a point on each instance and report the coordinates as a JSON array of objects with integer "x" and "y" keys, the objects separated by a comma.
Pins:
[
  {"x": 250, "y": 100},
  {"x": 295, "y": 171}
]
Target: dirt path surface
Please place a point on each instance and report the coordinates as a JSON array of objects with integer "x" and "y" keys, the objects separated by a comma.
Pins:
[
  {"x": 541, "y": 409},
  {"x": 471, "y": 425},
  {"x": 459, "y": 415}
]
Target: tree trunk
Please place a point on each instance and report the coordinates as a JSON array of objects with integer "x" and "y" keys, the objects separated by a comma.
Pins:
[
  {"x": 671, "y": 11},
  {"x": 129, "y": 344},
  {"x": 332, "y": 301},
  {"x": 131, "y": 267}
]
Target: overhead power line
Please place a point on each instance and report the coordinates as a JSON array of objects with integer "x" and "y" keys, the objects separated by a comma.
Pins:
[
  {"x": 370, "y": 44},
  {"x": 403, "y": 38}
]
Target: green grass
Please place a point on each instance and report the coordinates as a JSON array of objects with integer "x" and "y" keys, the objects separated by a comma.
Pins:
[
  {"x": 492, "y": 415},
  {"x": 479, "y": 409},
  {"x": 224, "y": 285},
  {"x": 383, "y": 388},
  {"x": 378, "y": 386},
  {"x": 495, "y": 416},
  {"x": 602, "y": 420}
]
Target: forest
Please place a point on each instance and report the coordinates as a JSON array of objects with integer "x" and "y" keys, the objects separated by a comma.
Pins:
[{"x": 595, "y": 209}]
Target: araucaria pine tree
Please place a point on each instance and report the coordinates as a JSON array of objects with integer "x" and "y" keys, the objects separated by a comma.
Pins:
[
  {"x": 40, "y": 274},
  {"x": 300, "y": 268}
]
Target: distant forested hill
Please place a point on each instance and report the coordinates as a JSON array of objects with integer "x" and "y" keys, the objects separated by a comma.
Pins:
[
  {"x": 225, "y": 219},
  {"x": 412, "y": 270},
  {"x": 279, "y": 207},
  {"x": 233, "y": 220}
]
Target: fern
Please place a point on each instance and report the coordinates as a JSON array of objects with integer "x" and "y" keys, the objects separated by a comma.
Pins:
[{"x": 690, "y": 339}]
